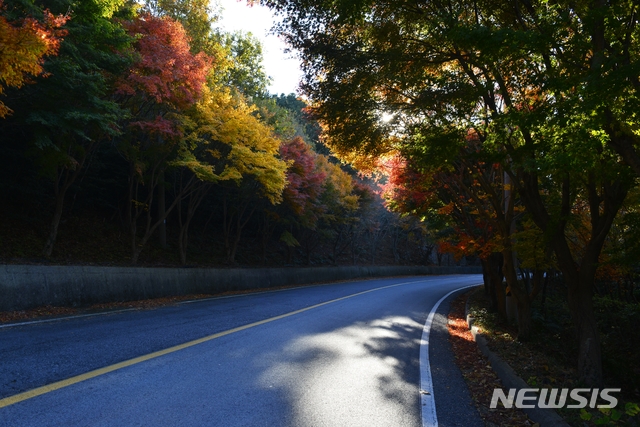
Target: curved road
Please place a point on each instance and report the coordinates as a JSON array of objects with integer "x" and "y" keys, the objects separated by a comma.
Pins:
[{"x": 345, "y": 354}]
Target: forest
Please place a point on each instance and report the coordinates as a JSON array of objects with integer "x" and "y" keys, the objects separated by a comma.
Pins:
[
  {"x": 513, "y": 124},
  {"x": 140, "y": 133}
]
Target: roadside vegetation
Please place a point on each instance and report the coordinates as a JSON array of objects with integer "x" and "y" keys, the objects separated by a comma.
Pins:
[{"x": 547, "y": 359}]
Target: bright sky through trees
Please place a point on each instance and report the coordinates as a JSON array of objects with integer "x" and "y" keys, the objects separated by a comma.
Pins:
[{"x": 283, "y": 68}]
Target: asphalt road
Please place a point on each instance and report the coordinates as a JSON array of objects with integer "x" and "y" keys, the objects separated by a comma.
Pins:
[{"x": 338, "y": 355}]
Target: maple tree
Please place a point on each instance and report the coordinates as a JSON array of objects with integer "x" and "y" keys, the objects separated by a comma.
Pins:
[
  {"x": 304, "y": 182},
  {"x": 303, "y": 191},
  {"x": 196, "y": 17},
  {"x": 245, "y": 155},
  {"x": 165, "y": 80},
  {"x": 321, "y": 200},
  {"x": 24, "y": 44},
  {"x": 343, "y": 205},
  {"x": 166, "y": 72},
  {"x": 334, "y": 206},
  {"x": 452, "y": 202},
  {"x": 115, "y": 113}
]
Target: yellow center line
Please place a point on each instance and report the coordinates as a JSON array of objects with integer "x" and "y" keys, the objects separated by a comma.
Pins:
[{"x": 98, "y": 372}]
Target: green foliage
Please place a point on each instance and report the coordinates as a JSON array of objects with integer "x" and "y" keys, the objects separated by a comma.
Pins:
[
  {"x": 618, "y": 322},
  {"x": 530, "y": 84},
  {"x": 73, "y": 102},
  {"x": 305, "y": 126},
  {"x": 246, "y": 72},
  {"x": 288, "y": 239},
  {"x": 280, "y": 119},
  {"x": 611, "y": 416},
  {"x": 532, "y": 247},
  {"x": 632, "y": 409}
]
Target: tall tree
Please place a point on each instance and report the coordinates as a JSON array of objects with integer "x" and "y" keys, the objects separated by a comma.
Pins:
[
  {"x": 166, "y": 80},
  {"x": 303, "y": 190},
  {"x": 70, "y": 112},
  {"x": 245, "y": 71},
  {"x": 421, "y": 75},
  {"x": 225, "y": 144},
  {"x": 342, "y": 205},
  {"x": 246, "y": 158}
]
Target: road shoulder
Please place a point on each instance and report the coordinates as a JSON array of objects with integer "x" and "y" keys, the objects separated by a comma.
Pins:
[{"x": 454, "y": 403}]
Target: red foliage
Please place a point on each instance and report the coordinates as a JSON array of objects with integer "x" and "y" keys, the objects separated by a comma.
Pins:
[
  {"x": 407, "y": 190},
  {"x": 410, "y": 190},
  {"x": 464, "y": 244},
  {"x": 304, "y": 182},
  {"x": 365, "y": 192},
  {"x": 157, "y": 126},
  {"x": 166, "y": 71}
]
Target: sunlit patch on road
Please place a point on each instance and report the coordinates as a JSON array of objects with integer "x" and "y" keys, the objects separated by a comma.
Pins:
[{"x": 350, "y": 376}]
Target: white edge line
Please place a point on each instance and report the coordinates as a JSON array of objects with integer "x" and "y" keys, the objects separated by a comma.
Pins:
[{"x": 427, "y": 399}]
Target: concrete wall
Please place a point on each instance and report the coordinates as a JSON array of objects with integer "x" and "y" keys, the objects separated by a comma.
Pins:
[{"x": 28, "y": 286}]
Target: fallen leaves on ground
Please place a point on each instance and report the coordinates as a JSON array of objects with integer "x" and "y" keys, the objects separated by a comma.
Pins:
[
  {"x": 48, "y": 312},
  {"x": 477, "y": 372}
]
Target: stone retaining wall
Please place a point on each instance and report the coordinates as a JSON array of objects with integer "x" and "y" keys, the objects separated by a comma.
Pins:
[{"x": 28, "y": 286}]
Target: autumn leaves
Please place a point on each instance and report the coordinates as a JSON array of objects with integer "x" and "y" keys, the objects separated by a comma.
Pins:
[{"x": 174, "y": 117}]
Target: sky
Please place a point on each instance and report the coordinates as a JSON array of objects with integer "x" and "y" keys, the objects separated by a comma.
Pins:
[{"x": 283, "y": 68}]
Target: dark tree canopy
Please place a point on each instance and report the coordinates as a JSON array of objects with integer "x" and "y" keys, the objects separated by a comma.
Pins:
[{"x": 550, "y": 90}]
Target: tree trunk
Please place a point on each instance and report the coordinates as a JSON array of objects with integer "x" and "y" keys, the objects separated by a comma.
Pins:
[
  {"x": 334, "y": 254},
  {"x": 195, "y": 198},
  {"x": 589, "y": 353},
  {"x": 492, "y": 269},
  {"x": 183, "y": 238},
  {"x": 151, "y": 227},
  {"x": 162, "y": 229},
  {"x": 579, "y": 276},
  {"x": 60, "y": 192},
  {"x": 394, "y": 246},
  {"x": 486, "y": 279},
  {"x": 267, "y": 229},
  {"x": 521, "y": 295},
  {"x": 232, "y": 245},
  {"x": 353, "y": 249},
  {"x": 55, "y": 223}
]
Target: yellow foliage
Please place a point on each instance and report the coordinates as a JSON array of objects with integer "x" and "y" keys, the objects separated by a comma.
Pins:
[
  {"x": 446, "y": 209},
  {"x": 532, "y": 248},
  {"x": 252, "y": 150},
  {"x": 340, "y": 181}
]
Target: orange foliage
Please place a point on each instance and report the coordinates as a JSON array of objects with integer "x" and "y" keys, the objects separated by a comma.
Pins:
[
  {"x": 166, "y": 72},
  {"x": 465, "y": 244},
  {"x": 23, "y": 46}
]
